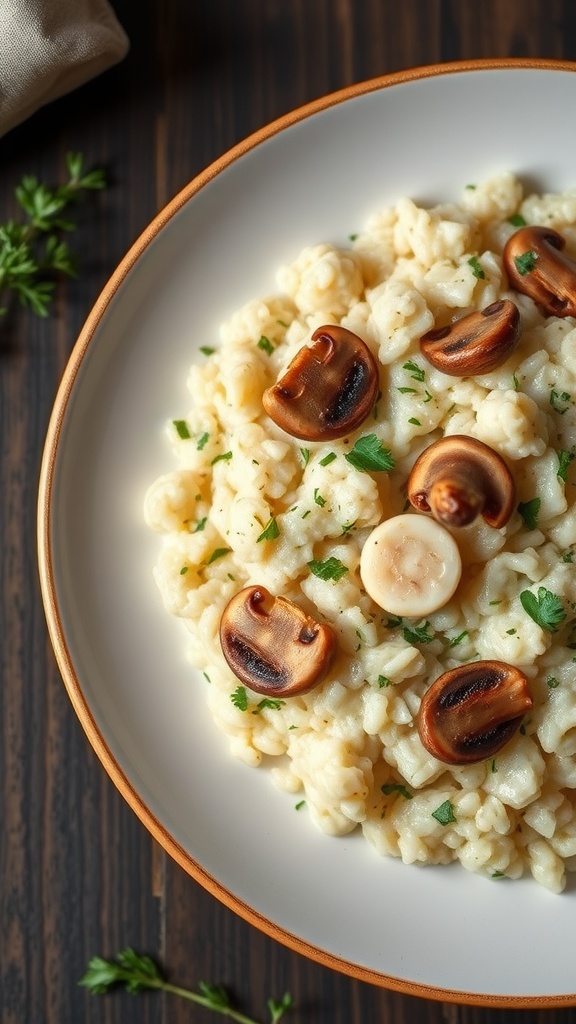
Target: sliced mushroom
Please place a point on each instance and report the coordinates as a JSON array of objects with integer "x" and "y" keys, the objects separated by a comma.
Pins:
[
  {"x": 470, "y": 712},
  {"x": 410, "y": 565},
  {"x": 272, "y": 645},
  {"x": 328, "y": 389},
  {"x": 476, "y": 343},
  {"x": 458, "y": 478},
  {"x": 536, "y": 266}
]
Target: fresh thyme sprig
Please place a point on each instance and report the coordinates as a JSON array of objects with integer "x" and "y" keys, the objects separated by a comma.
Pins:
[
  {"x": 32, "y": 249},
  {"x": 137, "y": 972}
]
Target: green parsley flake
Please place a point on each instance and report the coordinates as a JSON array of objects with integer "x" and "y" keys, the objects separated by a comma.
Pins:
[
  {"x": 240, "y": 698},
  {"x": 545, "y": 608},
  {"x": 216, "y": 554},
  {"x": 266, "y": 345},
  {"x": 200, "y": 525},
  {"x": 318, "y": 498},
  {"x": 331, "y": 569},
  {"x": 456, "y": 640},
  {"x": 396, "y": 787},
  {"x": 444, "y": 814},
  {"x": 182, "y": 429},
  {"x": 184, "y": 570},
  {"x": 370, "y": 454},
  {"x": 383, "y": 682},
  {"x": 305, "y": 453},
  {"x": 207, "y": 350},
  {"x": 328, "y": 459},
  {"x": 300, "y": 805},
  {"x": 517, "y": 220},
  {"x": 526, "y": 262},
  {"x": 270, "y": 532},
  {"x": 415, "y": 371},
  {"x": 552, "y": 682},
  {"x": 224, "y": 457},
  {"x": 474, "y": 262},
  {"x": 202, "y": 441},
  {"x": 407, "y": 391},
  {"x": 560, "y": 401},
  {"x": 564, "y": 460},
  {"x": 529, "y": 512},
  {"x": 414, "y": 421},
  {"x": 268, "y": 702},
  {"x": 418, "y": 634}
]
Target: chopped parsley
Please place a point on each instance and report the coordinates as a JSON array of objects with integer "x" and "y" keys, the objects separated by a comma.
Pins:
[
  {"x": 455, "y": 640},
  {"x": 383, "y": 682},
  {"x": 560, "y": 401},
  {"x": 268, "y": 702},
  {"x": 444, "y": 814},
  {"x": 224, "y": 457},
  {"x": 526, "y": 262},
  {"x": 552, "y": 682},
  {"x": 415, "y": 371},
  {"x": 330, "y": 569},
  {"x": 300, "y": 805},
  {"x": 474, "y": 262},
  {"x": 184, "y": 570},
  {"x": 200, "y": 525},
  {"x": 369, "y": 453},
  {"x": 182, "y": 429},
  {"x": 414, "y": 421},
  {"x": 305, "y": 453},
  {"x": 418, "y": 634},
  {"x": 202, "y": 441},
  {"x": 318, "y": 498},
  {"x": 207, "y": 350},
  {"x": 328, "y": 459},
  {"x": 266, "y": 345},
  {"x": 270, "y": 532},
  {"x": 564, "y": 460},
  {"x": 216, "y": 554},
  {"x": 529, "y": 512},
  {"x": 517, "y": 220},
  {"x": 396, "y": 787},
  {"x": 545, "y": 608},
  {"x": 240, "y": 698}
]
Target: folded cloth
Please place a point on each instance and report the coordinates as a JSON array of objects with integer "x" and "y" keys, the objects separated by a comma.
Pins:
[{"x": 49, "y": 47}]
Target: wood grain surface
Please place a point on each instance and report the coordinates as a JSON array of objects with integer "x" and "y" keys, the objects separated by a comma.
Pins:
[{"x": 78, "y": 873}]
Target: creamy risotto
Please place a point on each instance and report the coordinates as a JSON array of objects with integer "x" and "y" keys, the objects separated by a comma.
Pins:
[{"x": 248, "y": 504}]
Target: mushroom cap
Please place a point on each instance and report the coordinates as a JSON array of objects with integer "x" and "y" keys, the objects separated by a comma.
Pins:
[
  {"x": 272, "y": 645},
  {"x": 536, "y": 266},
  {"x": 479, "y": 472}
]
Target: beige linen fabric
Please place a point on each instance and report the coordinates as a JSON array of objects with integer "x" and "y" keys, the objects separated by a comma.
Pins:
[{"x": 49, "y": 47}]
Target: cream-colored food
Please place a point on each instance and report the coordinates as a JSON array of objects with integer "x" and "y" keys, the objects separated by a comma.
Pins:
[{"x": 250, "y": 505}]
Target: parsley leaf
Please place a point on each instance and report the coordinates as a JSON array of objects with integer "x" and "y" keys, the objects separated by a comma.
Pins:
[
  {"x": 240, "y": 698},
  {"x": 223, "y": 457},
  {"x": 529, "y": 512},
  {"x": 418, "y": 634},
  {"x": 328, "y": 459},
  {"x": 216, "y": 554},
  {"x": 474, "y": 262},
  {"x": 270, "y": 532},
  {"x": 268, "y": 702},
  {"x": 369, "y": 453},
  {"x": 415, "y": 371},
  {"x": 207, "y": 350},
  {"x": 318, "y": 498},
  {"x": 182, "y": 429},
  {"x": 526, "y": 262},
  {"x": 545, "y": 608},
  {"x": 266, "y": 345},
  {"x": 331, "y": 569},
  {"x": 517, "y": 220},
  {"x": 560, "y": 401},
  {"x": 305, "y": 453},
  {"x": 444, "y": 814},
  {"x": 564, "y": 460},
  {"x": 396, "y": 787},
  {"x": 202, "y": 441}
]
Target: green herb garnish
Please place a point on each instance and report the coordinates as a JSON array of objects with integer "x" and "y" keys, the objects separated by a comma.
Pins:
[
  {"x": 330, "y": 569},
  {"x": 224, "y": 457},
  {"x": 396, "y": 787},
  {"x": 564, "y": 460},
  {"x": 32, "y": 251},
  {"x": 474, "y": 262},
  {"x": 370, "y": 454},
  {"x": 328, "y": 459},
  {"x": 202, "y": 441},
  {"x": 517, "y": 220},
  {"x": 418, "y": 634},
  {"x": 526, "y": 262},
  {"x": 529, "y": 512},
  {"x": 415, "y": 371},
  {"x": 266, "y": 345},
  {"x": 270, "y": 532},
  {"x": 240, "y": 698},
  {"x": 182, "y": 429},
  {"x": 560, "y": 401},
  {"x": 545, "y": 608},
  {"x": 136, "y": 973},
  {"x": 207, "y": 350},
  {"x": 318, "y": 498},
  {"x": 305, "y": 453},
  {"x": 444, "y": 814},
  {"x": 216, "y": 554}
]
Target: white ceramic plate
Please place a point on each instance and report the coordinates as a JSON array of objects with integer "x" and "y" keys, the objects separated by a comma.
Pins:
[{"x": 313, "y": 176}]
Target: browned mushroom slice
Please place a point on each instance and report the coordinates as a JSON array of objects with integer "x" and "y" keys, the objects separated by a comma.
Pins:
[
  {"x": 272, "y": 645},
  {"x": 458, "y": 478},
  {"x": 476, "y": 343},
  {"x": 470, "y": 712},
  {"x": 328, "y": 389},
  {"x": 536, "y": 266}
]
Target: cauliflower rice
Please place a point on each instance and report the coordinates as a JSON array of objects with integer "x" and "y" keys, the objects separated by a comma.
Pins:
[{"x": 249, "y": 504}]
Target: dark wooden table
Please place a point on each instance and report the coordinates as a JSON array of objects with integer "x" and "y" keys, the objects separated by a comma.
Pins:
[{"x": 78, "y": 873}]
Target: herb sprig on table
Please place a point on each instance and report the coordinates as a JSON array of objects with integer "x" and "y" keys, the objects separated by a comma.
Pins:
[
  {"x": 32, "y": 249},
  {"x": 137, "y": 972}
]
